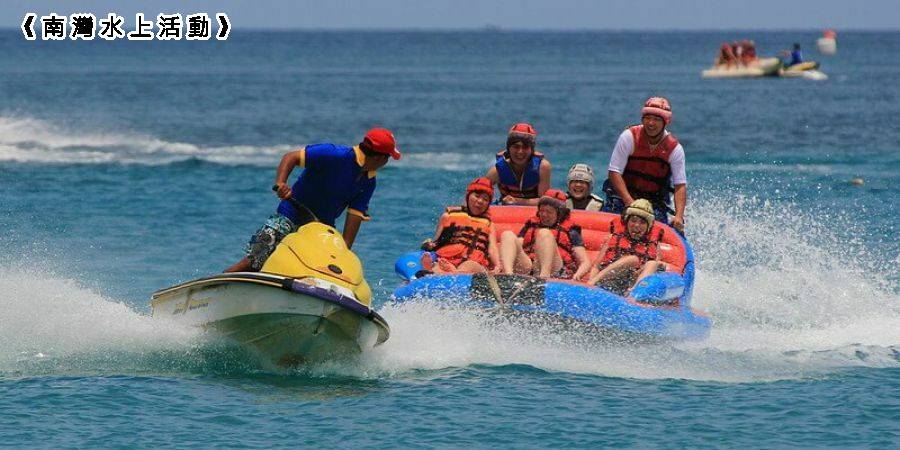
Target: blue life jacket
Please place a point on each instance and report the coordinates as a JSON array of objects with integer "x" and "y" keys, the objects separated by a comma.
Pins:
[{"x": 510, "y": 184}]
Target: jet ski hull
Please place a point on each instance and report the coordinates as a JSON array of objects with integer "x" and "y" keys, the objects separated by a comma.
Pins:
[{"x": 286, "y": 321}]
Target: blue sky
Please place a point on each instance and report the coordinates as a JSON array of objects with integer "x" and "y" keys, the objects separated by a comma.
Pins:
[{"x": 511, "y": 14}]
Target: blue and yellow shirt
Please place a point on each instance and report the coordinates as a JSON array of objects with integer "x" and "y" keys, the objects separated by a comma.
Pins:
[{"x": 332, "y": 180}]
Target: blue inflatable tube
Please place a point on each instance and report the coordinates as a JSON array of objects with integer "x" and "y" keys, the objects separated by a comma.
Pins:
[{"x": 659, "y": 306}]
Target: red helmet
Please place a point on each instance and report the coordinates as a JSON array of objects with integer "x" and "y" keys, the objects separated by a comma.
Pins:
[
  {"x": 521, "y": 132},
  {"x": 523, "y": 128},
  {"x": 557, "y": 194},
  {"x": 482, "y": 184},
  {"x": 658, "y": 106},
  {"x": 556, "y": 199}
]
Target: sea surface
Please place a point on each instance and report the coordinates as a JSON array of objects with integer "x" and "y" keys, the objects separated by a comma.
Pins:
[{"x": 126, "y": 167}]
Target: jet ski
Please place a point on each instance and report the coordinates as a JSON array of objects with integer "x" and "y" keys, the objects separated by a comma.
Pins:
[
  {"x": 658, "y": 308},
  {"x": 762, "y": 67},
  {"x": 309, "y": 302},
  {"x": 808, "y": 70}
]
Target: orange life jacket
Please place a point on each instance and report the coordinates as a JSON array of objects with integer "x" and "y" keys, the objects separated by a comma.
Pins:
[
  {"x": 622, "y": 244},
  {"x": 464, "y": 237},
  {"x": 647, "y": 173},
  {"x": 560, "y": 233}
]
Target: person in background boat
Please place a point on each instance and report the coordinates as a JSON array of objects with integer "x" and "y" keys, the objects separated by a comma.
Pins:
[
  {"x": 648, "y": 162},
  {"x": 726, "y": 56},
  {"x": 738, "y": 52},
  {"x": 632, "y": 251},
  {"x": 549, "y": 244},
  {"x": 748, "y": 52},
  {"x": 795, "y": 54},
  {"x": 334, "y": 178},
  {"x": 465, "y": 240},
  {"x": 522, "y": 174},
  {"x": 580, "y": 183}
]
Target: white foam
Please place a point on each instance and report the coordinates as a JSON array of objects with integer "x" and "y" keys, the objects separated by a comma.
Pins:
[
  {"x": 47, "y": 317},
  {"x": 32, "y": 140},
  {"x": 789, "y": 298}
]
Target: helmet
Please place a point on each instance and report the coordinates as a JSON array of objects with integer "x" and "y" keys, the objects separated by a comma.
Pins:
[
  {"x": 581, "y": 172},
  {"x": 658, "y": 106},
  {"x": 556, "y": 199},
  {"x": 641, "y": 208},
  {"x": 481, "y": 185},
  {"x": 522, "y": 132}
]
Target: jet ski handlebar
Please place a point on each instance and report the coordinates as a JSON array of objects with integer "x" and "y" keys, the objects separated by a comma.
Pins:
[{"x": 305, "y": 214}]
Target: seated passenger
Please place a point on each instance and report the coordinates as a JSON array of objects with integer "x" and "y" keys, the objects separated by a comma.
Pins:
[
  {"x": 632, "y": 251},
  {"x": 464, "y": 241},
  {"x": 521, "y": 173},
  {"x": 748, "y": 52},
  {"x": 726, "y": 56},
  {"x": 548, "y": 245},
  {"x": 580, "y": 183}
]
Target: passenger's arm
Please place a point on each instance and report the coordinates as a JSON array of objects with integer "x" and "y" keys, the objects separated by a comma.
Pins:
[
  {"x": 680, "y": 203},
  {"x": 351, "y": 227},
  {"x": 545, "y": 175},
  {"x": 437, "y": 235},
  {"x": 493, "y": 251},
  {"x": 618, "y": 183}
]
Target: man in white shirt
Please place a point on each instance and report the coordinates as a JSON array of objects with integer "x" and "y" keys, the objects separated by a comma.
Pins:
[{"x": 648, "y": 162}]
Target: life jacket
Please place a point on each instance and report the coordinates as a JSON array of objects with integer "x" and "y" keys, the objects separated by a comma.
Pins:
[
  {"x": 647, "y": 173},
  {"x": 464, "y": 237},
  {"x": 594, "y": 203},
  {"x": 560, "y": 233},
  {"x": 622, "y": 244},
  {"x": 510, "y": 184}
]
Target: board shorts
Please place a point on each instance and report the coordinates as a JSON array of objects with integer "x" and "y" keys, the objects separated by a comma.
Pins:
[{"x": 264, "y": 241}]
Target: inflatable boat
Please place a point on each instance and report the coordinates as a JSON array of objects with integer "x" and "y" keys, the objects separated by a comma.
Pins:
[
  {"x": 762, "y": 67},
  {"x": 658, "y": 308},
  {"x": 309, "y": 302}
]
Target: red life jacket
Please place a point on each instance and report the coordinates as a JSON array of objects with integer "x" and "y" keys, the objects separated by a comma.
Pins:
[
  {"x": 647, "y": 173},
  {"x": 621, "y": 243},
  {"x": 464, "y": 237},
  {"x": 560, "y": 233}
]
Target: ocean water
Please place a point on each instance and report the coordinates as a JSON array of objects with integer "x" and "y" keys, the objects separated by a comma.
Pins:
[{"x": 126, "y": 167}]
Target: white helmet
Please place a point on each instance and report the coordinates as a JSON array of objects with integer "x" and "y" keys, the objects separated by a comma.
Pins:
[{"x": 581, "y": 172}]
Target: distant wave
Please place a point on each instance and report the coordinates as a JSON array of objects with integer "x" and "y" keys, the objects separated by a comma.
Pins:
[
  {"x": 28, "y": 140},
  {"x": 32, "y": 140}
]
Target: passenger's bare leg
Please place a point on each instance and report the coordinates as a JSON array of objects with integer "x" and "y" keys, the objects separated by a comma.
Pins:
[
  {"x": 617, "y": 269},
  {"x": 548, "y": 258},
  {"x": 649, "y": 269},
  {"x": 470, "y": 267},
  {"x": 509, "y": 250}
]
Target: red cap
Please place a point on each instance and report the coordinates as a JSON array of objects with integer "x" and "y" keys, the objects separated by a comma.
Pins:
[
  {"x": 482, "y": 184},
  {"x": 381, "y": 140}
]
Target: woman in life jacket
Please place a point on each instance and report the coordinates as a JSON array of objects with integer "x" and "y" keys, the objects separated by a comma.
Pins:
[
  {"x": 522, "y": 174},
  {"x": 580, "y": 183},
  {"x": 464, "y": 241},
  {"x": 549, "y": 244},
  {"x": 632, "y": 251}
]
